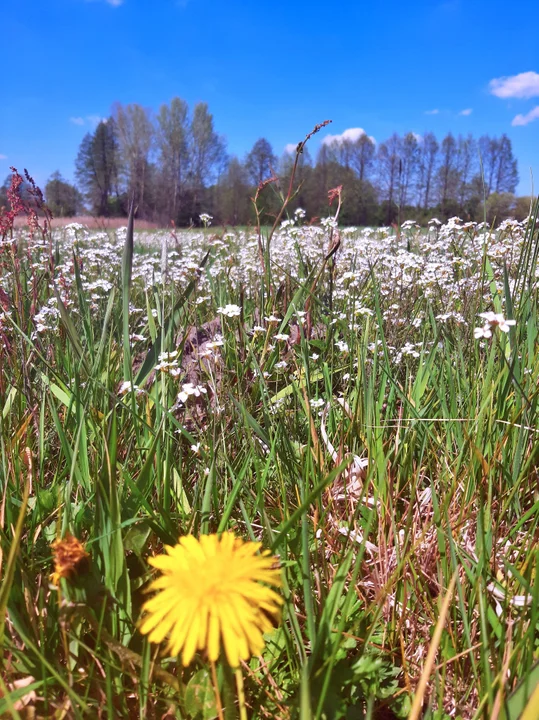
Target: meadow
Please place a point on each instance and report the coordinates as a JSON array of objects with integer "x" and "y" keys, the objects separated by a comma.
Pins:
[{"x": 362, "y": 402}]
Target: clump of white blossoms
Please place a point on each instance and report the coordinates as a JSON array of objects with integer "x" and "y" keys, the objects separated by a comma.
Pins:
[
  {"x": 492, "y": 321},
  {"x": 127, "y": 387},
  {"x": 206, "y": 219},
  {"x": 188, "y": 390},
  {"x": 168, "y": 362},
  {"x": 343, "y": 346},
  {"x": 230, "y": 311},
  {"x": 328, "y": 222},
  {"x": 217, "y": 342}
]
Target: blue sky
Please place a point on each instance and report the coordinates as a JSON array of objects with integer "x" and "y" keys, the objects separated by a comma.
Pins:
[{"x": 269, "y": 69}]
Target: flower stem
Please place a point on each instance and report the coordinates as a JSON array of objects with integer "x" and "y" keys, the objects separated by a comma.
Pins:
[
  {"x": 241, "y": 694},
  {"x": 216, "y": 690}
]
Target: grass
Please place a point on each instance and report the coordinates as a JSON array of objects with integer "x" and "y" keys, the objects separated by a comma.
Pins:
[{"x": 409, "y": 579}]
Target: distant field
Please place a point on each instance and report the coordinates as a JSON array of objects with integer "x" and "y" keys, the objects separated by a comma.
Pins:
[{"x": 93, "y": 223}]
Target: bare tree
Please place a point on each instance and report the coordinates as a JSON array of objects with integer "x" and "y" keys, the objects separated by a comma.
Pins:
[
  {"x": 389, "y": 164},
  {"x": 172, "y": 142},
  {"x": 206, "y": 148},
  {"x": 447, "y": 176},
  {"x": 408, "y": 167},
  {"x": 136, "y": 134},
  {"x": 428, "y": 161},
  {"x": 506, "y": 176},
  {"x": 362, "y": 154},
  {"x": 500, "y": 173},
  {"x": 488, "y": 151},
  {"x": 466, "y": 160}
]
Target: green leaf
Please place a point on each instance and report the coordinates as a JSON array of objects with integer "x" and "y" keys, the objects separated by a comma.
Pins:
[
  {"x": 518, "y": 700},
  {"x": 200, "y": 696}
]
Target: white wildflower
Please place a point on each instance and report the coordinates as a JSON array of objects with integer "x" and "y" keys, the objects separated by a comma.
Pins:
[
  {"x": 188, "y": 390},
  {"x": 127, "y": 386},
  {"x": 230, "y": 311},
  {"x": 497, "y": 320}
]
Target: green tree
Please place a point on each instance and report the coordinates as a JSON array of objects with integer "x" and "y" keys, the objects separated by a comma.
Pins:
[
  {"x": 260, "y": 162},
  {"x": 499, "y": 207},
  {"x": 4, "y": 202},
  {"x": 523, "y": 207},
  {"x": 63, "y": 199},
  {"x": 97, "y": 169},
  {"x": 233, "y": 204}
]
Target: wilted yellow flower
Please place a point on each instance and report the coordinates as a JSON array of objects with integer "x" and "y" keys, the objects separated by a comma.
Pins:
[
  {"x": 70, "y": 558},
  {"x": 211, "y": 594}
]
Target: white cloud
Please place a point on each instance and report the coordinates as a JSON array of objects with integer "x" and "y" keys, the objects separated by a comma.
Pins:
[
  {"x": 524, "y": 85},
  {"x": 112, "y": 3},
  {"x": 3, "y": 157},
  {"x": 351, "y": 134},
  {"x": 94, "y": 120},
  {"x": 432, "y": 112},
  {"x": 418, "y": 137},
  {"x": 528, "y": 118},
  {"x": 290, "y": 148},
  {"x": 468, "y": 111}
]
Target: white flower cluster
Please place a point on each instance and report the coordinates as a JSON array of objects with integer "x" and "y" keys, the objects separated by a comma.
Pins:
[
  {"x": 492, "y": 321},
  {"x": 168, "y": 362},
  {"x": 328, "y": 222},
  {"x": 127, "y": 387},
  {"x": 189, "y": 390},
  {"x": 230, "y": 311}
]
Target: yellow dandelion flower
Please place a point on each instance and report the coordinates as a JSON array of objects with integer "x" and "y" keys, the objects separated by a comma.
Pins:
[{"x": 211, "y": 595}]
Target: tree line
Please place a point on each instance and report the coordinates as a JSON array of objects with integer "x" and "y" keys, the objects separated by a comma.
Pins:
[{"x": 174, "y": 165}]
